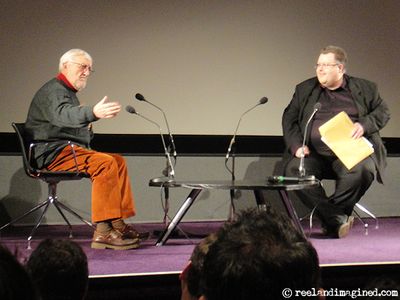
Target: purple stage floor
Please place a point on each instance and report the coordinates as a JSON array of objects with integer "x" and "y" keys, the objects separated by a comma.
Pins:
[{"x": 380, "y": 246}]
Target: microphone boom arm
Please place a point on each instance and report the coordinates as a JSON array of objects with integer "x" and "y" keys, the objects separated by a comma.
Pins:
[
  {"x": 169, "y": 131},
  {"x": 171, "y": 173},
  {"x": 140, "y": 97},
  {"x": 234, "y": 135},
  {"x": 263, "y": 100},
  {"x": 302, "y": 169}
]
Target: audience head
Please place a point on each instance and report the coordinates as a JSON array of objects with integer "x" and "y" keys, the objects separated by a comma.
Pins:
[
  {"x": 257, "y": 257},
  {"x": 191, "y": 275},
  {"x": 59, "y": 270},
  {"x": 387, "y": 283},
  {"x": 15, "y": 283}
]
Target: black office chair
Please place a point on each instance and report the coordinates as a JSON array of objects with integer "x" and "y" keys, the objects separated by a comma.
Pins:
[{"x": 51, "y": 178}]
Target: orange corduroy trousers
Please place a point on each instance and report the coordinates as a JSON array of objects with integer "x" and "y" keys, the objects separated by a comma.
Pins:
[{"x": 112, "y": 196}]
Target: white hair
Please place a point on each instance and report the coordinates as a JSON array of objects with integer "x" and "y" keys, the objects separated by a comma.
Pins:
[{"x": 70, "y": 54}]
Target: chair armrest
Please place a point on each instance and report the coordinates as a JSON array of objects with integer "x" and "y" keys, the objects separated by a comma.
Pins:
[{"x": 55, "y": 142}]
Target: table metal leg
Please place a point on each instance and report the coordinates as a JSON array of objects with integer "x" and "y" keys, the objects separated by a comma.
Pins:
[
  {"x": 290, "y": 210},
  {"x": 166, "y": 205},
  {"x": 178, "y": 216}
]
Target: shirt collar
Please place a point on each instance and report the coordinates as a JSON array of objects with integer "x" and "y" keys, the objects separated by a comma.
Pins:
[
  {"x": 61, "y": 77},
  {"x": 342, "y": 86}
]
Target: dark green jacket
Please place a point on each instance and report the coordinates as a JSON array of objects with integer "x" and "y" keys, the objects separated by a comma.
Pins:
[
  {"x": 372, "y": 110},
  {"x": 56, "y": 113}
]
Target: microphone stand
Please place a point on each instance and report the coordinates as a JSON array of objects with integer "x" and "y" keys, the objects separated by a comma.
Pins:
[
  {"x": 302, "y": 169},
  {"x": 232, "y": 210},
  {"x": 171, "y": 148},
  {"x": 231, "y": 150},
  {"x": 165, "y": 172},
  {"x": 169, "y": 172},
  {"x": 231, "y": 153}
]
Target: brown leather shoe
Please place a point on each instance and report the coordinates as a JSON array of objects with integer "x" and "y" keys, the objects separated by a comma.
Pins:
[
  {"x": 131, "y": 233},
  {"x": 113, "y": 240},
  {"x": 344, "y": 229}
]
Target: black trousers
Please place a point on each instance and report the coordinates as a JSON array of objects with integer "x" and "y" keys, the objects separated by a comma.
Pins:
[{"x": 350, "y": 186}]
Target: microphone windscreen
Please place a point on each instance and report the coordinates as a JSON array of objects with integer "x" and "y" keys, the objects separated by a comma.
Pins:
[
  {"x": 263, "y": 100},
  {"x": 317, "y": 106},
  {"x": 140, "y": 97},
  {"x": 130, "y": 109}
]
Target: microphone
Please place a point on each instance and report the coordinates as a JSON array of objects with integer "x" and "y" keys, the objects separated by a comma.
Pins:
[
  {"x": 140, "y": 97},
  {"x": 302, "y": 170},
  {"x": 282, "y": 179},
  {"x": 132, "y": 110},
  {"x": 263, "y": 100}
]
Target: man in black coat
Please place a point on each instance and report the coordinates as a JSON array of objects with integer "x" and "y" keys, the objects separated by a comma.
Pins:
[{"x": 336, "y": 92}]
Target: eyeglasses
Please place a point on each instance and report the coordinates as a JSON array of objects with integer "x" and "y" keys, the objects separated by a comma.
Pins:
[
  {"x": 83, "y": 67},
  {"x": 324, "y": 65}
]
